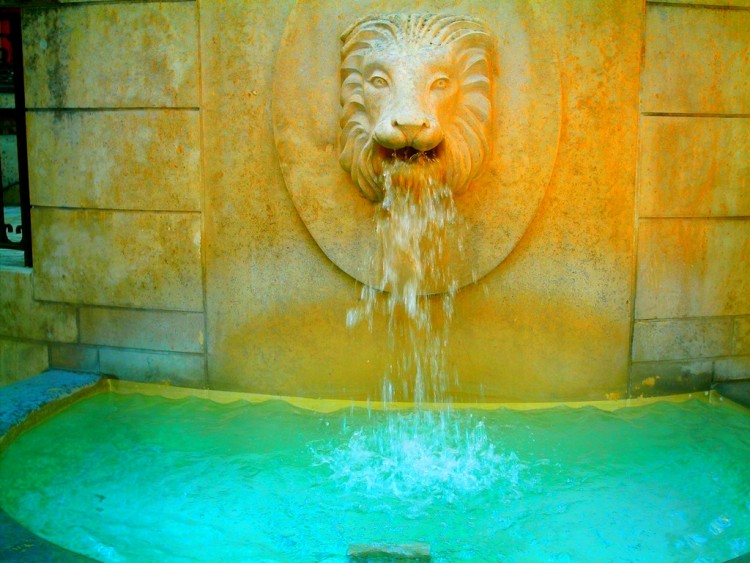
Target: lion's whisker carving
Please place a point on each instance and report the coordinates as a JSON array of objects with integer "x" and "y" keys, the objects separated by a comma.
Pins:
[{"x": 416, "y": 89}]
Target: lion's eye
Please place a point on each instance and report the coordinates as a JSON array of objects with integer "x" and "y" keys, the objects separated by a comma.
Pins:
[
  {"x": 378, "y": 82},
  {"x": 440, "y": 84}
]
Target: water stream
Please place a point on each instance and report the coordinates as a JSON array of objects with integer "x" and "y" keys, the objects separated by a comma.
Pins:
[
  {"x": 413, "y": 225},
  {"x": 423, "y": 451}
]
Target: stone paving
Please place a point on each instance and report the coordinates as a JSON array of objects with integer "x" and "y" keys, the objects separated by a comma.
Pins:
[{"x": 17, "y": 401}]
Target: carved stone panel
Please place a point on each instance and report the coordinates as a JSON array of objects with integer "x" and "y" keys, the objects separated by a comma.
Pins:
[{"x": 474, "y": 90}]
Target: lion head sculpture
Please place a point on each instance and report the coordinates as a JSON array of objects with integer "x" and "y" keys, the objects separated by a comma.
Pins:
[{"x": 416, "y": 90}]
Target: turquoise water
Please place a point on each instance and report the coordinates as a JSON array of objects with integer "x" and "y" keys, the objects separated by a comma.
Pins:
[{"x": 135, "y": 478}]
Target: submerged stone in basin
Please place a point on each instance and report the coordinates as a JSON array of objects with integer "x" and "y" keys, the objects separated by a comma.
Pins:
[{"x": 361, "y": 552}]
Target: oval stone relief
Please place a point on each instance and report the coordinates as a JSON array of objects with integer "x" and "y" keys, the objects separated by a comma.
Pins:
[{"x": 476, "y": 87}]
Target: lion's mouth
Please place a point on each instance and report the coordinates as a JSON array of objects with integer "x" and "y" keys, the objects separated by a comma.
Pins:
[{"x": 409, "y": 154}]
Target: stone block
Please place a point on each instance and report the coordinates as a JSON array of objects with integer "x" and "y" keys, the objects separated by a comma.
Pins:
[
  {"x": 738, "y": 392},
  {"x": 694, "y": 167},
  {"x": 184, "y": 370},
  {"x": 168, "y": 331},
  {"x": 20, "y": 360},
  {"x": 366, "y": 552},
  {"x": 710, "y": 3},
  {"x": 21, "y": 316},
  {"x": 696, "y": 61},
  {"x": 650, "y": 379},
  {"x": 74, "y": 357},
  {"x": 111, "y": 55},
  {"x": 731, "y": 369},
  {"x": 118, "y": 258},
  {"x": 681, "y": 339},
  {"x": 135, "y": 159},
  {"x": 741, "y": 335},
  {"x": 693, "y": 268}
]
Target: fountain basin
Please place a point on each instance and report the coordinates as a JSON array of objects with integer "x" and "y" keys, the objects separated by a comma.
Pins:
[{"x": 300, "y": 479}]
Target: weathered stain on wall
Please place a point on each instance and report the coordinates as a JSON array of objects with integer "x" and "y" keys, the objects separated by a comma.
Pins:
[
  {"x": 167, "y": 247},
  {"x": 121, "y": 55}
]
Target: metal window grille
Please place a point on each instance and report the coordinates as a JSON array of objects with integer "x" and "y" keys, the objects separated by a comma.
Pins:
[{"x": 15, "y": 234}]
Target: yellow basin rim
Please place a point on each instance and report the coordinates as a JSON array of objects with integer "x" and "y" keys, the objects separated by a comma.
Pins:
[{"x": 332, "y": 405}]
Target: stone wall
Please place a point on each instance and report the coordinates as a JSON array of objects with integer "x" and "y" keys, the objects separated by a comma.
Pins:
[
  {"x": 167, "y": 248},
  {"x": 693, "y": 263},
  {"x": 114, "y": 139}
]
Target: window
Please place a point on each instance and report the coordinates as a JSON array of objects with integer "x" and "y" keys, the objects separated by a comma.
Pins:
[{"x": 15, "y": 237}]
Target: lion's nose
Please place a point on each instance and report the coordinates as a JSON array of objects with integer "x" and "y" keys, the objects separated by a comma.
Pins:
[
  {"x": 417, "y": 131},
  {"x": 410, "y": 128}
]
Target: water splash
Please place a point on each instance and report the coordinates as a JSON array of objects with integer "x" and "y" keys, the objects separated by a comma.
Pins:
[{"x": 423, "y": 455}]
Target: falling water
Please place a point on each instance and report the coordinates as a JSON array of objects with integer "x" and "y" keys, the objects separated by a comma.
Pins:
[
  {"x": 436, "y": 453},
  {"x": 412, "y": 227}
]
